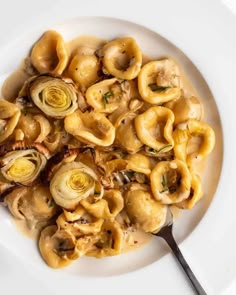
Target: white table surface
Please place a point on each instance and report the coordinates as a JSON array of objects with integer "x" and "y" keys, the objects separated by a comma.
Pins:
[{"x": 18, "y": 17}]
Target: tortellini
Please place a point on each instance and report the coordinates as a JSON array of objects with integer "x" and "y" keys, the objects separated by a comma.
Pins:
[
  {"x": 154, "y": 128},
  {"x": 126, "y": 134},
  {"x": 57, "y": 247},
  {"x": 183, "y": 134},
  {"x": 9, "y": 117},
  {"x": 31, "y": 204},
  {"x": 84, "y": 69},
  {"x": 49, "y": 54},
  {"x": 108, "y": 207},
  {"x": 122, "y": 58},
  {"x": 91, "y": 128},
  {"x": 185, "y": 109},
  {"x": 196, "y": 193},
  {"x": 110, "y": 242},
  {"x": 144, "y": 211},
  {"x": 139, "y": 163},
  {"x": 105, "y": 96},
  {"x": 99, "y": 144},
  {"x": 79, "y": 222},
  {"x": 159, "y": 81},
  {"x": 31, "y": 127},
  {"x": 170, "y": 181}
]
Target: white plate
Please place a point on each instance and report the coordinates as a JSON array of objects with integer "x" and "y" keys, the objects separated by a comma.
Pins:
[{"x": 204, "y": 248}]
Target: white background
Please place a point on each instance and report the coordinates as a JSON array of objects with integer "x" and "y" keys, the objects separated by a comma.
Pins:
[{"x": 207, "y": 28}]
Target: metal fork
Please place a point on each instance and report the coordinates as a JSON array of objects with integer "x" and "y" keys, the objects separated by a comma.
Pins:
[{"x": 166, "y": 234}]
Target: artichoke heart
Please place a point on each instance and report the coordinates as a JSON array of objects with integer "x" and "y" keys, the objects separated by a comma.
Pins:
[
  {"x": 54, "y": 96},
  {"x": 22, "y": 166},
  {"x": 71, "y": 183}
]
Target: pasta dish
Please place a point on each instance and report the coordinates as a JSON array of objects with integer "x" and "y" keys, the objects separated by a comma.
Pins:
[{"x": 97, "y": 142}]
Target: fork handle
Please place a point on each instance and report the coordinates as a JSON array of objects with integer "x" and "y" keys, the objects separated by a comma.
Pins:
[{"x": 179, "y": 256}]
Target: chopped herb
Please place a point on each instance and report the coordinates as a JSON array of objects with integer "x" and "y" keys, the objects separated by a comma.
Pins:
[
  {"x": 97, "y": 193},
  {"x": 164, "y": 182},
  {"x": 51, "y": 203},
  {"x": 164, "y": 148},
  {"x": 161, "y": 150},
  {"x": 122, "y": 154},
  {"x": 164, "y": 190},
  {"x": 154, "y": 87},
  {"x": 106, "y": 96},
  {"x": 92, "y": 151},
  {"x": 152, "y": 151},
  {"x": 24, "y": 112},
  {"x": 122, "y": 81}
]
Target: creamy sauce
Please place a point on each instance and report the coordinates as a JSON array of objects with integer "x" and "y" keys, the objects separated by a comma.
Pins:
[
  {"x": 175, "y": 212},
  {"x": 192, "y": 147},
  {"x": 87, "y": 45},
  {"x": 84, "y": 45},
  {"x": 13, "y": 84},
  {"x": 136, "y": 239},
  {"x": 22, "y": 226}
]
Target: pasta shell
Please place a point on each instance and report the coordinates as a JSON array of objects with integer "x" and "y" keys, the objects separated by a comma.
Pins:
[
  {"x": 144, "y": 211},
  {"x": 170, "y": 182},
  {"x": 122, "y": 58},
  {"x": 29, "y": 126},
  {"x": 54, "y": 96},
  {"x": 56, "y": 246},
  {"x": 57, "y": 137},
  {"x": 158, "y": 81},
  {"x": 110, "y": 242},
  {"x": 83, "y": 70},
  {"x": 195, "y": 195},
  {"x": 108, "y": 207},
  {"x": 154, "y": 128},
  {"x": 90, "y": 128},
  {"x": 49, "y": 54},
  {"x": 183, "y": 134},
  {"x": 31, "y": 204},
  {"x": 185, "y": 109},
  {"x": 126, "y": 135},
  {"x": 84, "y": 224},
  {"x": 105, "y": 96},
  {"x": 139, "y": 163},
  {"x": 203, "y": 130},
  {"x": 9, "y": 117}
]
